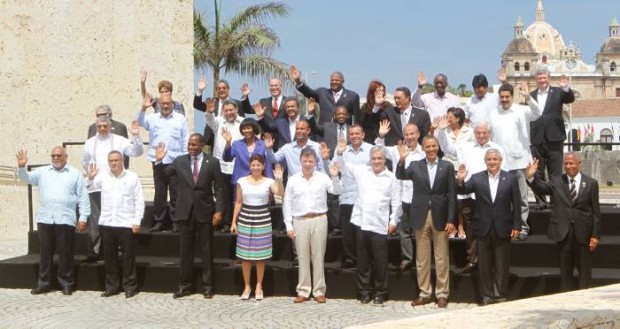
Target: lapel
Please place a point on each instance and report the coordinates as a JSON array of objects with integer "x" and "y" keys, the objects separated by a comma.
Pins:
[
  {"x": 500, "y": 185},
  {"x": 424, "y": 170},
  {"x": 583, "y": 185},
  {"x": 550, "y": 95},
  {"x": 283, "y": 122},
  {"x": 565, "y": 188},
  {"x": 487, "y": 188},
  {"x": 396, "y": 124}
]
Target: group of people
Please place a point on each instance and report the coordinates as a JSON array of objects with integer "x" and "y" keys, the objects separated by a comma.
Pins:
[{"x": 426, "y": 169}]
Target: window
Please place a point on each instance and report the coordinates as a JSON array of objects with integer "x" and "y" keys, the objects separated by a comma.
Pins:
[
  {"x": 544, "y": 59},
  {"x": 612, "y": 67},
  {"x": 606, "y": 137},
  {"x": 526, "y": 66},
  {"x": 517, "y": 66},
  {"x": 617, "y": 92}
]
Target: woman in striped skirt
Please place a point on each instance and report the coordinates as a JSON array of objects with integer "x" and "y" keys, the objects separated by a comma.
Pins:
[{"x": 252, "y": 221}]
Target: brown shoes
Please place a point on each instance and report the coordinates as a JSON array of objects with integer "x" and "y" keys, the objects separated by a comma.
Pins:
[
  {"x": 301, "y": 299},
  {"x": 442, "y": 302},
  {"x": 320, "y": 299},
  {"x": 420, "y": 301}
]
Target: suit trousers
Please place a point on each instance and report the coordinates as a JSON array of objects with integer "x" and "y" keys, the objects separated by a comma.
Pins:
[
  {"x": 228, "y": 195},
  {"x": 550, "y": 157},
  {"x": 113, "y": 238},
  {"x": 94, "y": 233},
  {"x": 493, "y": 265},
  {"x": 163, "y": 184},
  {"x": 189, "y": 230},
  {"x": 574, "y": 253},
  {"x": 467, "y": 208},
  {"x": 525, "y": 207},
  {"x": 405, "y": 235},
  {"x": 349, "y": 243},
  {"x": 424, "y": 236},
  {"x": 333, "y": 211},
  {"x": 311, "y": 242},
  {"x": 60, "y": 238},
  {"x": 372, "y": 249}
]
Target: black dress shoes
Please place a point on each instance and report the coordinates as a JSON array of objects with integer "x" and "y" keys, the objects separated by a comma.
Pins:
[
  {"x": 107, "y": 294},
  {"x": 67, "y": 291},
  {"x": 469, "y": 268},
  {"x": 365, "y": 299},
  {"x": 208, "y": 294},
  {"x": 347, "y": 264},
  {"x": 158, "y": 227},
  {"x": 40, "y": 290},
  {"x": 181, "y": 293},
  {"x": 129, "y": 294},
  {"x": 176, "y": 228},
  {"x": 378, "y": 300}
]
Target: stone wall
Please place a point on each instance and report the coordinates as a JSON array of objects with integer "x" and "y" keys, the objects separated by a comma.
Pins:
[{"x": 61, "y": 58}]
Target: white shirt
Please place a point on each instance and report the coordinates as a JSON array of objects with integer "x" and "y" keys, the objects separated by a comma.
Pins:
[
  {"x": 493, "y": 184},
  {"x": 465, "y": 135},
  {"x": 376, "y": 195},
  {"x": 406, "y": 185},
  {"x": 434, "y": 104},
  {"x": 303, "y": 196},
  {"x": 218, "y": 124},
  {"x": 511, "y": 129},
  {"x": 97, "y": 148},
  {"x": 122, "y": 201},
  {"x": 292, "y": 125},
  {"x": 541, "y": 97},
  {"x": 478, "y": 109},
  {"x": 361, "y": 157}
]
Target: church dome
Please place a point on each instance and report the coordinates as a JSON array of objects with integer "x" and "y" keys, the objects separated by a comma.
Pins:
[
  {"x": 519, "y": 46},
  {"x": 545, "y": 39},
  {"x": 611, "y": 46}
]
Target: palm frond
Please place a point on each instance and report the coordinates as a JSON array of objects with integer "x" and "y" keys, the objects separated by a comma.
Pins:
[{"x": 258, "y": 14}]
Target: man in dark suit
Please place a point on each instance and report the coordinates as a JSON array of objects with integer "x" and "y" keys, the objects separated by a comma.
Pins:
[
  {"x": 547, "y": 133},
  {"x": 118, "y": 128},
  {"x": 575, "y": 222},
  {"x": 432, "y": 216},
  {"x": 329, "y": 98},
  {"x": 403, "y": 114},
  {"x": 223, "y": 94},
  {"x": 497, "y": 219},
  {"x": 199, "y": 181},
  {"x": 274, "y": 104},
  {"x": 282, "y": 126}
]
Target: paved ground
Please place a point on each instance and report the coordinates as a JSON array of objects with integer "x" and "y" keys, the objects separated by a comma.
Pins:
[{"x": 19, "y": 309}]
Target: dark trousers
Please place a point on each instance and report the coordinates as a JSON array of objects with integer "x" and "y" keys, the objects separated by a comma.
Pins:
[
  {"x": 163, "y": 184},
  {"x": 227, "y": 195},
  {"x": 113, "y": 238},
  {"x": 372, "y": 249},
  {"x": 60, "y": 238},
  {"x": 550, "y": 157},
  {"x": 405, "y": 235},
  {"x": 94, "y": 234},
  {"x": 574, "y": 253},
  {"x": 333, "y": 211},
  {"x": 466, "y": 209},
  {"x": 349, "y": 245},
  {"x": 493, "y": 266},
  {"x": 189, "y": 230}
]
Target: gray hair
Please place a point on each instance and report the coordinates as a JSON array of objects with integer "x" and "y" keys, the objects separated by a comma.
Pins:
[
  {"x": 542, "y": 71},
  {"x": 338, "y": 73},
  {"x": 104, "y": 118},
  {"x": 378, "y": 148},
  {"x": 483, "y": 125},
  {"x": 224, "y": 82},
  {"x": 106, "y": 107},
  {"x": 443, "y": 76},
  {"x": 491, "y": 151},
  {"x": 308, "y": 150}
]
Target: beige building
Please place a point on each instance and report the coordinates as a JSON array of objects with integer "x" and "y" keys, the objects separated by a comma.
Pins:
[
  {"x": 59, "y": 59},
  {"x": 540, "y": 44}
]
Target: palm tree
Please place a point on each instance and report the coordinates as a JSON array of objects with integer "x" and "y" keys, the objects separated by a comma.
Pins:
[
  {"x": 242, "y": 45},
  {"x": 462, "y": 89}
]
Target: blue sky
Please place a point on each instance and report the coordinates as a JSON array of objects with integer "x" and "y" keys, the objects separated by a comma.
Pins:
[{"x": 393, "y": 39}]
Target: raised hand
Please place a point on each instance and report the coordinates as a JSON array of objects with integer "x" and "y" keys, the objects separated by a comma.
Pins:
[
  {"x": 147, "y": 101},
  {"x": 462, "y": 173},
  {"x": 143, "y": 75},
  {"x": 379, "y": 97},
  {"x": 92, "y": 171},
  {"x": 324, "y": 151},
  {"x": 311, "y": 106},
  {"x": 259, "y": 110},
  {"x": 268, "y": 140},
  {"x": 160, "y": 152},
  {"x": 227, "y": 135},
  {"x": 210, "y": 105},
  {"x": 135, "y": 128},
  {"x": 202, "y": 84},
  {"x": 531, "y": 168},
  {"x": 278, "y": 172},
  {"x": 296, "y": 74},
  {"x": 22, "y": 158},
  {"x": 440, "y": 121},
  {"x": 501, "y": 75},
  {"x": 334, "y": 170},
  {"x": 341, "y": 146},
  {"x": 384, "y": 128},
  {"x": 421, "y": 78},
  {"x": 523, "y": 89},
  {"x": 563, "y": 81},
  {"x": 403, "y": 151},
  {"x": 245, "y": 90}
]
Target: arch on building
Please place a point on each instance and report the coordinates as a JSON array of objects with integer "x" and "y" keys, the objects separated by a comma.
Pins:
[
  {"x": 517, "y": 67},
  {"x": 526, "y": 66},
  {"x": 612, "y": 67},
  {"x": 607, "y": 137}
]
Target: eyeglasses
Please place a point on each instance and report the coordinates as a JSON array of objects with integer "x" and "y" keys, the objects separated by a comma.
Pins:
[
  {"x": 102, "y": 126},
  {"x": 57, "y": 155}
]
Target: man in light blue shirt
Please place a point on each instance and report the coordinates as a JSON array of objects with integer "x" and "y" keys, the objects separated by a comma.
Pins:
[
  {"x": 169, "y": 129},
  {"x": 61, "y": 188},
  {"x": 290, "y": 152}
]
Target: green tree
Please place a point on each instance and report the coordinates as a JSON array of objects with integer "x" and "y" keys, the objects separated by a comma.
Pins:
[{"x": 242, "y": 45}]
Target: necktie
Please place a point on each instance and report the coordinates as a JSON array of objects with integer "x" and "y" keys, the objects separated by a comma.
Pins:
[
  {"x": 341, "y": 132},
  {"x": 195, "y": 170},
  {"x": 573, "y": 190},
  {"x": 274, "y": 110},
  {"x": 336, "y": 97}
]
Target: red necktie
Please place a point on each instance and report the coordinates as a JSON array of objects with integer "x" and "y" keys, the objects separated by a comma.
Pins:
[
  {"x": 195, "y": 170},
  {"x": 275, "y": 107}
]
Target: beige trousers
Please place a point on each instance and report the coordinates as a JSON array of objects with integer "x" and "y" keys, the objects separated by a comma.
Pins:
[
  {"x": 423, "y": 239},
  {"x": 311, "y": 242}
]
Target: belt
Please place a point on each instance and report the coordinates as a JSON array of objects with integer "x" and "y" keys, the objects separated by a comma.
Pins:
[{"x": 311, "y": 215}]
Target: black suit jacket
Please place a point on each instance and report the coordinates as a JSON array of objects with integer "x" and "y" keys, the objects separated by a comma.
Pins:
[
  {"x": 197, "y": 197},
  {"x": 503, "y": 214},
  {"x": 584, "y": 212},
  {"x": 267, "y": 103},
  {"x": 325, "y": 98},
  {"x": 118, "y": 128},
  {"x": 550, "y": 126},
  {"x": 441, "y": 199},
  {"x": 418, "y": 117},
  {"x": 328, "y": 132}
]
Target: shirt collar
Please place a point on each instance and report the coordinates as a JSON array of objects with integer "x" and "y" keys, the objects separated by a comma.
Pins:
[
  {"x": 541, "y": 92},
  {"x": 495, "y": 177},
  {"x": 65, "y": 168},
  {"x": 170, "y": 116},
  {"x": 431, "y": 163},
  {"x": 577, "y": 177}
]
